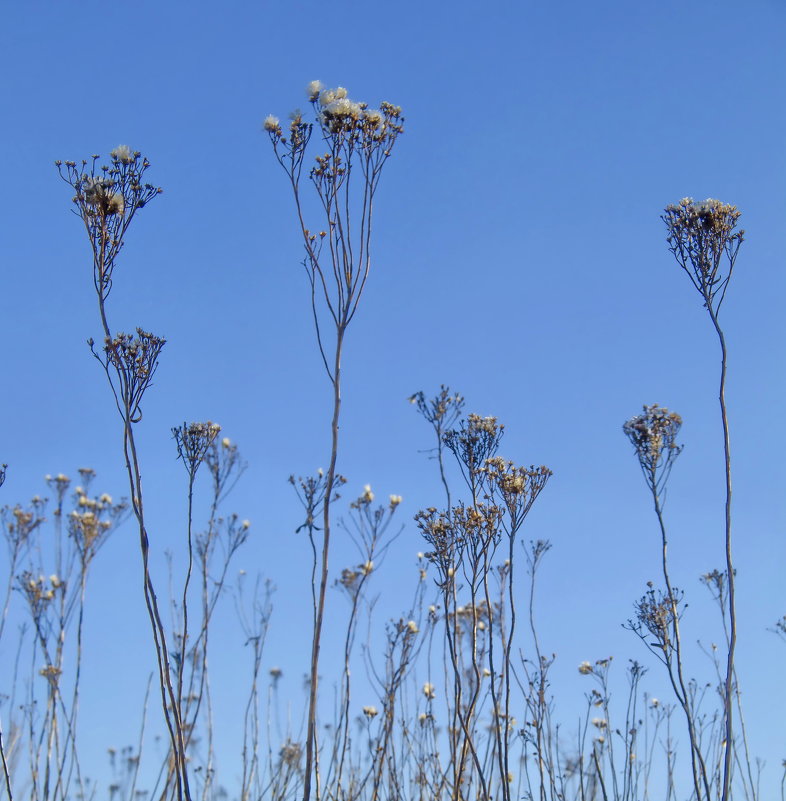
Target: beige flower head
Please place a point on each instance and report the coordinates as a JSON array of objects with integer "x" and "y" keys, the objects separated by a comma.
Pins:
[
  {"x": 313, "y": 89},
  {"x": 123, "y": 154}
]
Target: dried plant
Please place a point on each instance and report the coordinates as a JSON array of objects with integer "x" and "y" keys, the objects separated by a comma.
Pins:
[
  {"x": 438, "y": 717},
  {"x": 703, "y": 238},
  {"x": 50, "y": 573},
  {"x": 479, "y": 633},
  {"x": 357, "y": 141}
]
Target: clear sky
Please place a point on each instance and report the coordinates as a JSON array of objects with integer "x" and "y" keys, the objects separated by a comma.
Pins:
[{"x": 519, "y": 257}]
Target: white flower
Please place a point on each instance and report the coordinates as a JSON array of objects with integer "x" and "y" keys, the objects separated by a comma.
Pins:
[
  {"x": 374, "y": 116},
  {"x": 412, "y": 627},
  {"x": 395, "y": 500},
  {"x": 327, "y": 96},
  {"x": 122, "y": 153},
  {"x": 344, "y": 107},
  {"x": 370, "y": 711},
  {"x": 313, "y": 90},
  {"x": 599, "y": 723},
  {"x": 706, "y": 206},
  {"x": 585, "y": 668},
  {"x": 271, "y": 123},
  {"x": 116, "y": 204},
  {"x": 226, "y": 442},
  {"x": 94, "y": 191},
  {"x": 428, "y": 690},
  {"x": 368, "y": 495},
  {"x": 246, "y": 524},
  {"x": 367, "y": 567},
  {"x": 340, "y": 92}
]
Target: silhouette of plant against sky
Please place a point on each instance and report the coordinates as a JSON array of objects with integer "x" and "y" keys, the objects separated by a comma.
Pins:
[
  {"x": 356, "y": 142},
  {"x": 703, "y": 238},
  {"x": 457, "y": 702}
]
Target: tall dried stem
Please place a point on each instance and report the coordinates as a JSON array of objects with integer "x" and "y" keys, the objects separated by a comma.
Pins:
[
  {"x": 705, "y": 244},
  {"x": 337, "y": 262}
]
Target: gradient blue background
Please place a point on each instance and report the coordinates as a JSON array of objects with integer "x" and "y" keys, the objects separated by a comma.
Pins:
[{"x": 519, "y": 257}]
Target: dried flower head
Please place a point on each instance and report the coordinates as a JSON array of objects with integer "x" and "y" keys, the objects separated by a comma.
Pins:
[
  {"x": 123, "y": 153},
  {"x": 291, "y": 754},
  {"x": 475, "y": 441},
  {"x": 107, "y": 197},
  {"x": 518, "y": 486},
  {"x": 657, "y": 616},
  {"x": 135, "y": 358},
  {"x": 702, "y": 236},
  {"x": 313, "y": 89},
  {"x": 653, "y": 434},
  {"x": 365, "y": 499},
  {"x": 193, "y": 441}
]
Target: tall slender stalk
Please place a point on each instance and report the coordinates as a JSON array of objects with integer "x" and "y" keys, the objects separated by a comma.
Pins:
[
  {"x": 337, "y": 262},
  {"x": 653, "y": 435},
  {"x": 703, "y": 240}
]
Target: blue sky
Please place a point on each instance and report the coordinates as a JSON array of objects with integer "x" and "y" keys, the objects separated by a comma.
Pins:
[{"x": 519, "y": 257}]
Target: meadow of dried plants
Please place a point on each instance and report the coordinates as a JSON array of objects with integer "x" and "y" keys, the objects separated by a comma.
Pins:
[{"x": 463, "y": 707}]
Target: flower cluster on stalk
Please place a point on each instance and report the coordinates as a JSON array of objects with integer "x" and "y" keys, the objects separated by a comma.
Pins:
[
  {"x": 193, "y": 441},
  {"x": 653, "y": 434},
  {"x": 702, "y": 237},
  {"x": 106, "y": 198},
  {"x": 135, "y": 358}
]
